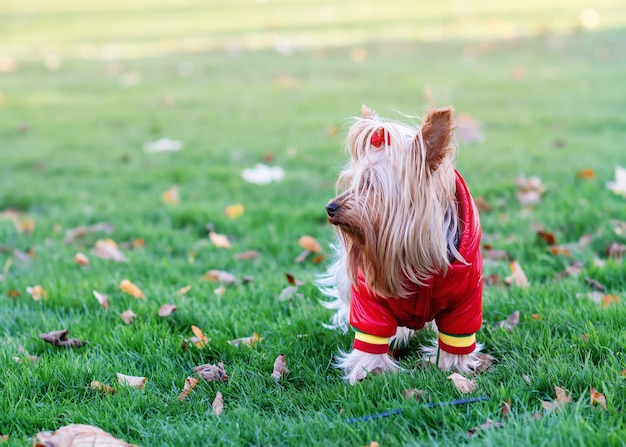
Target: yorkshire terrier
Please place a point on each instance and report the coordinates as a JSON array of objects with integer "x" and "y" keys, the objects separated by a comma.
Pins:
[{"x": 408, "y": 249}]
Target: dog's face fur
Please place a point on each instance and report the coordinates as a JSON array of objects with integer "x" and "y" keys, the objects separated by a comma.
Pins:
[{"x": 396, "y": 211}]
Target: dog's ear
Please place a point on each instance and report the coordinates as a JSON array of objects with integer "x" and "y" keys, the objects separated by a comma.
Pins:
[
  {"x": 366, "y": 112},
  {"x": 436, "y": 134}
]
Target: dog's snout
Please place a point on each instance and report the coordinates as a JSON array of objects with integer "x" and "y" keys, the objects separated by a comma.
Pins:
[{"x": 331, "y": 209}]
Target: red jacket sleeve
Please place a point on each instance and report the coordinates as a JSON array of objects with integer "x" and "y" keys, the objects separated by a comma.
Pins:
[{"x": 370, "y": 314}]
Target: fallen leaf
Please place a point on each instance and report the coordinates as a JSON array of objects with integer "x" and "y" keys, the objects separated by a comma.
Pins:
[
  {"x": 107, "y": 249},
  {"x": 536, "y": 316},
  {"x": 586, "y": 174},
  {"x": 252, "y": 254},
  {"x": 139, "y": 243},
  {"x": 548, "y": 237},
  {"x": 218, "y": 404},
  {"x": 128, "y": 287},
  {"x": 200, "y": 339},
  {"x": 482, "y": 205},
  {"x": 37, "y": 292},
  {"x": 128, "y": 316},
  {"x": 302, "y": 256},
  {"x": 163, "y": 145},
  {"x": 234, "y": 211},
  {"x": 493, "y": 254},
  {"x": 607, "y": 300},
  {"x": 190, "y": 384},
  {"x": 132, "y": 381},
  {"x": 415, "y": 394},
  {"x": 98, "y": 386},
  {"x": 3, "y": 438},
  {"x": 81, "y": 259},
  {"x": 615, "y": 250},
  {"x": 318, "y": 259},
  {"x": 293, "y": 281},
  {"x": 462, "y": 384},
  {"x": 619, "y": 185},
  {"x": 505, "y": 408},
  {"x": 249, "y": 341},
  {"x": 221, "y": 277},
  {"x": 23, "y": 224},
  {"x": 623, "y": 372},
  {"x": 288, "y": 293},
  {"x": 59, "y": 338},
  {"x": 597, "y": 398},
  {"x": 280, "y": 368},
  {"x": 262, "y": 174},
  {"x": 12, "y": 293},
  {"x": 171, "y": 196},
  {"x": 518, "y": 276},
  {"x": 102, "y": 299},
  {"x": 78, "y": 435},
  {"x": 511, "y": 322},
  {"x": 219, "y": 240},
  {"x": 563, "y": 398},
  {"x": 486, "y": 362},
  {"x": 212, "y": 373},
  {"x": 559, "y": 250},
  {"x": 529, "y": 190},
  {"x": 167, "y": 309},
  {"x": 5, "y": 269},
  {"x": 183, "y": 290},
  {"x": 372, "y": 444},
  {"x": 83, "y": 230},
  {"x": 595, "y": 285},
  {"x": 310, "y": 243},
  {"x": 489, "y": 424},
  {"x": 332, "y": 130}
]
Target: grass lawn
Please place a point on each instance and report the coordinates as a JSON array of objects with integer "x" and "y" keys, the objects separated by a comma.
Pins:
[{"x": 240, "y": 83}]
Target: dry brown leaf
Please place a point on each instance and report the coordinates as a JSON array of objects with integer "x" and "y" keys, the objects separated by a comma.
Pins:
[
  {"x": 536, "y": 316},
  {"x": 607, "y": 300},
  {"x": 563, "y": 398},
  {"x": 251, "y": 254},
  {"x": 171, "y": 196},
  {"x": 482, "y": 205},
  {"x": 107, "y": 249},
  {"x": 310, "y": 243},
  {"x": 319, "y": 259},
  {"x": 132, "y": 381},
  {"x": 494, "y": 254},
  {"x": 219, "y": 240},
  {"x": 183, "y": 290},
  {"x": 486, "y": 362},
  {"x": 37, "y": 292},
  {"x": 199, "y": 339},
  {"x": 416, "y": 394},
  {"x": 280, "y": 368},
  {"x": 586, "y": 174},
  {"x": 78, "y": 435},
  {"x": 81, "y": 259},
  {"x": 99, "y": 386},
  {"x": 131, "y": 289},
  {"x": 559, "y": 250},
  {"x": 597, "y": 398},
  {"x": 302, "y": 257},
  {"x": 221, "y": 276},
  {"x": 372, "y": 444},
  {"x": 221, "y": 290},
  {"x": 212, "y": 373},
  {"x": 511, "y": 322},
  {"x": 234, "y": 211},
  {"x": 102, "y": 299},
  {"x": 128, "y": 316},
  {"x": 12, "y": 293},
  {"x": 167, "y": 310},
  {"x": 530, "y": 190},
  {"x": 623, "y": 372},
  {"x": 82, "y": 230},
  {"x": 547, "y": 236},
  {"x": 518, "y": 277},
  {"x": 615, "y": 250},
  {"x": 190, "y": 384},
  {"x": 139, "y": 243},
  {"x": 288, "y": 293},
  {"x": 249, "y": 341},
  {"x": 292, "y": 280},
  {"x": 59, "y": 338},
  {"x": 488, "y": 425},
  {"x": 218, "y": 404},
  {"x": 505, "y": 408},
  {"x": 595, "y": 284},
  {"x": 463, "y": 384}
]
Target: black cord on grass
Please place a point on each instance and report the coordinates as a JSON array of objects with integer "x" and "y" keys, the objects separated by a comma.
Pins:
[{"x": 388, "y": 413}]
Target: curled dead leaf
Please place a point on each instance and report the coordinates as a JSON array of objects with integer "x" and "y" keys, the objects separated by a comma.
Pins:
[
  {"x": 412, "y": 393},
  {"x": 292, "y": 280},
  {"x": 597, "y": 398},
  {"x": 486, "y": 361},
  {"x": 132, "y": 381},
  {"x": 547, "y": 236},
  {"x": 128, "y": 287},
  {"x": 83, "y": 230},
  {"x": 81, "y": 259},
  {"x": 511, "y": 322},
  {"x": 183, "y": 290},
  {"x": 190, "y": 384},
  {"x": 128, "y": 316},
  {"x": 280, "y": 368},
  {"x": 107, "y": 249},
  {"x": 167, "y": 310},
  {"x": 212, "y": 373},
  {"x": 563, "y": 398},
  {"x": 218, "y": 404},
  {"x": 102, "y": 299},
  {"x": 221, "y": 276},
  {"x": 246, "y": 255},
  {"x": 59, "y": 338},
  {"x": 463, "y": 384},
  {"x": 37, "y": 292},
  {"x": 199, "y": 338},
  {"x": 249, "y": 341},
  {"x": 488, "y": 425},
  {"x": 310, "y": 243},
  {"x": 219, "y": 240},
  {"x": 518, "y": 277},
  {"x": 99, "y": 386},
  {"x": 78, "y": 435}
]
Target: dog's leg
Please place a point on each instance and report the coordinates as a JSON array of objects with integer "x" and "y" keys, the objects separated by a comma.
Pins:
[
  {"x": 466, "y": 363},
  {"x": 357, "y": 364},
  {"x": 335, "y": 284}
]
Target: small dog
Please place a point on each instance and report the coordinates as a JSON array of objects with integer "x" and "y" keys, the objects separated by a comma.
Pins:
[{"x": 408, "y": 248}]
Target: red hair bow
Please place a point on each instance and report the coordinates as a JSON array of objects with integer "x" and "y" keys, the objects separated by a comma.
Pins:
[{"x": 379, "y": 136}]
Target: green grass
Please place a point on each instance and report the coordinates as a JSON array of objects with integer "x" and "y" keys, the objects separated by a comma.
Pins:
[{"x": 71, "y": 154}]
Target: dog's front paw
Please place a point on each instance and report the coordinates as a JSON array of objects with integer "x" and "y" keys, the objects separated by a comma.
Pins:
[{"x": 358, "y": 364}]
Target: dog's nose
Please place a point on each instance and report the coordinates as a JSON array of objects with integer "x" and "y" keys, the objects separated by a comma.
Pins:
[{"x": 331, "y": 209}]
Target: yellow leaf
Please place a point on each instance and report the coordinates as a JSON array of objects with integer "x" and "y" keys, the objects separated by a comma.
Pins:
[
  {"x": 249, "y": 341},
  {"x": 586, "y": 174},
  {"x": 190, "y": 384},
  {"x": 171, "y": 196},
  {"x": 607, "y": 300},
  {"x": 98, "y": 386},
  {"x": 219, "y": 240},
  {"x": 133, "y": 381},
  {"x": 131, "y": 289},
  {"x": 597, "y": 398},
  {"x": 234, "y": 211},
  {"x": 518, "y": 276},
  {"x": 310, "y": 243},
  {"x": 37, "y": 292},
  {"x": 201, "y": 340},
  {"x": 462, "y": 384},
  {"x": 183, "y": 290}
]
